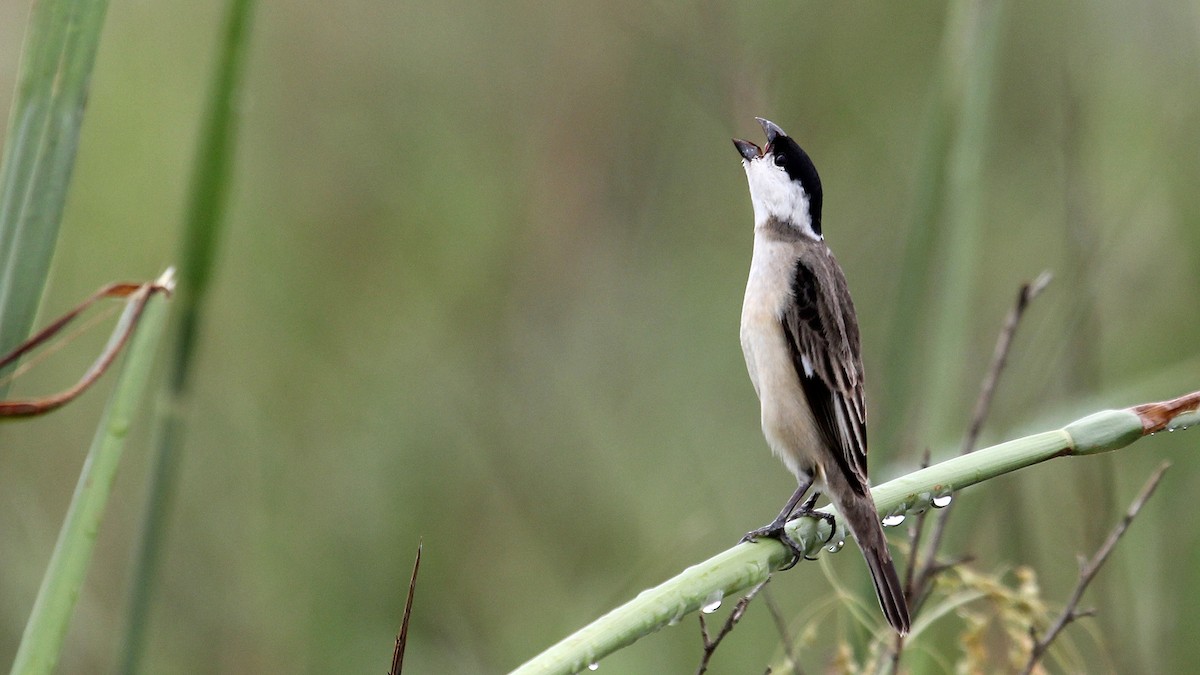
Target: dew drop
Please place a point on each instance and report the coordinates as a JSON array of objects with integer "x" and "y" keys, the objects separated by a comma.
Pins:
[
  {"x": 594, "y": 665},
  {"x": 893, "y": 520},
  {"x": 942, "y": 501},
  {"x": 713, "y": 602},
  {"x": 834, "y": 548},
  {"x": 1170, "y": 429}
]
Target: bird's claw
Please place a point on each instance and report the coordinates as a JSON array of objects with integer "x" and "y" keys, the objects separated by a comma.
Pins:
[{"x": 778, "y": 531}]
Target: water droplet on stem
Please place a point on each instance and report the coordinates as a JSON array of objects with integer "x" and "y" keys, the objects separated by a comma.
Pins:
[{"x": 713, "y": 602}]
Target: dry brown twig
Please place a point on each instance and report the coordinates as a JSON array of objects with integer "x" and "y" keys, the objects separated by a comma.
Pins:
[
  {"x": 739, "y": 610},
  {"x": 983, "y": 406},
  {"x": 922, "y": 571},
  {"x": 914, "y": 538},
  {"x": 402, "y": 636},
  {"x": 1088, "y": 570},
  {"x": 781, "y": 626},
  {"x": 914, "y": 544}
]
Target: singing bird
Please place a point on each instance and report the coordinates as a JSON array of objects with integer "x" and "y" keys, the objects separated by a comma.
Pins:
[{"x": 799, "y": 335}]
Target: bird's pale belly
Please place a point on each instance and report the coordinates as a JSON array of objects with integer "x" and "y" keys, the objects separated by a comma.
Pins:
[{"x": 787, "y": 421}]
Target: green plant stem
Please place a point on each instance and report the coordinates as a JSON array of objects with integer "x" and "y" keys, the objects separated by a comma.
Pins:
[
  {"x": 51, "y": 615},
  {"x": 39, "y": 152},
  {"x": 747, "y": 564},
  {"x": 970, "y": 58},
  {"x": 205, "y": 220},
  {"x": 950, "y": 163}
]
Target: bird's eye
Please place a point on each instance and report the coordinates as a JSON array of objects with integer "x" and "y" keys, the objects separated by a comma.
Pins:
[{"x": 780, "y": 160}]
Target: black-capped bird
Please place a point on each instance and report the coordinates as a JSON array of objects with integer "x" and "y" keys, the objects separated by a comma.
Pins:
[{"x": 800, "y": 338}]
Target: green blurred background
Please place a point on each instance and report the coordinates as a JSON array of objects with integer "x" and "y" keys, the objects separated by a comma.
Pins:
[{"x": 481, "y": 286}]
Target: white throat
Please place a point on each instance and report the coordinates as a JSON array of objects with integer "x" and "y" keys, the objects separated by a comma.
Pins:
[{"x": 774, "y": 194}]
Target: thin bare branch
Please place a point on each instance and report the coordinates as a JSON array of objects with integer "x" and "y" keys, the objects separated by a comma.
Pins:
[
  {"x": 914, "y": 544},
  {"x": 781, "y": 627},
  {"x": 987, "y": 390},
  {"x": 739, "y": 610},
  {"x": 402, "y": 637},
  {"x": 914, "y": 537},
  {"x": 983, "y": 405},
  {"x": 1088, "y": 571}
]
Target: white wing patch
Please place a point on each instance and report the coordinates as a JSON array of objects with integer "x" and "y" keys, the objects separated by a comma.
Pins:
[
  {"x": 808, "y": 369},
  {"x": 774, "y": 193}
]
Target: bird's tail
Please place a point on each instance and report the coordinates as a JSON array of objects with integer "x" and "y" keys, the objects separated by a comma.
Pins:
[{"x": 863, "y": 521}]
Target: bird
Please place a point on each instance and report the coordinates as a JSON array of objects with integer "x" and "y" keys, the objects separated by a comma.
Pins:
[{"x": 799, "y": 335}]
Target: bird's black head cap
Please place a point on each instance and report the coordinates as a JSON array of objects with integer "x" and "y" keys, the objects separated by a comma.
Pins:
[{"x": 788, "y": 154}]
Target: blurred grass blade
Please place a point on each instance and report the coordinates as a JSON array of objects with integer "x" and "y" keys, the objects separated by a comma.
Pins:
[
  {"x": 47, "y": 627},
  {"x": 971, "y": 53},
  {"x": 946, "y": 231},
  {"x": 214, "y": 157},
  {"x": 39, "y": 152},
  {"x": 205, "y": 219},
  {"x": 916, "y": 269}
]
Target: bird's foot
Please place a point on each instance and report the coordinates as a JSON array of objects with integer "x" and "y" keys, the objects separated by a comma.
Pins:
[
  {"x": 777, "y": 530},
  {"x": 806, "y": 509}
]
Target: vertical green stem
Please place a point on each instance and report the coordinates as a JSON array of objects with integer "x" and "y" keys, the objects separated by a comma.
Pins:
[
  {"x": 47, "y": 628},
  {"x": 970, "y": 56},
  {"x": 205, "y": 220},
  {"x": 946, "y": 220}
]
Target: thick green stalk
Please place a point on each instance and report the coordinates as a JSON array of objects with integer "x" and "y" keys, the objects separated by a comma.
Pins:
[
  {"x": 47, "y": 627},
  {"x": 747, "y": 564},
  {"x": 39, "y": 152}
]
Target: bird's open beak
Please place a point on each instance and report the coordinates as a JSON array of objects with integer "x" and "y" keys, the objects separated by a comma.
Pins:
[
  {"x": 748, "y": 150},
  {"x": 771, "y": 129}
]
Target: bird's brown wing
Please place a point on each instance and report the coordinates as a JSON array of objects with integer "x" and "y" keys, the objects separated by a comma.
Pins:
[{"x": 822, "y": 336}]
